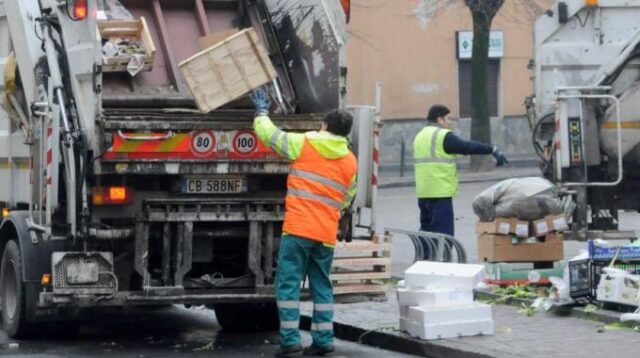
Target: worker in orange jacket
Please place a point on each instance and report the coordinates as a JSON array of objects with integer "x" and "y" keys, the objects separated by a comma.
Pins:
[{"x": 321, "y": 184}]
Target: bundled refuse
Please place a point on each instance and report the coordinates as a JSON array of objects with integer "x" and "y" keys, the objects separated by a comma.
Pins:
[
  {"x": 521, "y": 220},
  {"x": 436, "y": 301},
  {"x": 524, "y": 198}
]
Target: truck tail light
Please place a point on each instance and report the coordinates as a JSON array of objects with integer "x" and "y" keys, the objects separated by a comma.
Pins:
[
  {"x": 80, "y": 9},
  {"x": 346, "y": 6},
  {"x": 112, "y": 195}
]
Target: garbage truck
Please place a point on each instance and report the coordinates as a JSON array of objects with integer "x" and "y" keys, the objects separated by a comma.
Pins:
[
  {"x": 117, "y": 191},
  {"x": 585, "y": 111}
]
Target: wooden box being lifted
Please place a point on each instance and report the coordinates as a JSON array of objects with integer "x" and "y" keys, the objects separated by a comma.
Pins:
[
  {"x": 227, "y": 70},
  {"x": 135, "y": 30}
]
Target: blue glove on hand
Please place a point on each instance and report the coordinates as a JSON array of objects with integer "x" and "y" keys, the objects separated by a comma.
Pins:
[
  {"x": 261, "y": 101},
  {"x": 500, "y": 158}
]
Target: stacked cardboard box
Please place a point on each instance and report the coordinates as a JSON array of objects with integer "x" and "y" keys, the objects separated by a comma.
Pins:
[
  {"x": 436, "y": 301},
  {"x": 512, "y": 240}
]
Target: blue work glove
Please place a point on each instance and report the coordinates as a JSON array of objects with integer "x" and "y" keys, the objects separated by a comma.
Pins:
[
  {"x": 261, "y": 101},
  {"x": 500, "y": 158}
]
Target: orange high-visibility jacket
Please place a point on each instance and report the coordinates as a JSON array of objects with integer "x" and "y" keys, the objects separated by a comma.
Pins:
[{"x": 321, "y": 182}]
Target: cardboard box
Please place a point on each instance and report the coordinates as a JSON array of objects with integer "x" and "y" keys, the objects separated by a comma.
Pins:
[
  {"x": 504, "y": 226},
  {"x": 550, "y": 223},
  {"x": 501, "y": 248}
]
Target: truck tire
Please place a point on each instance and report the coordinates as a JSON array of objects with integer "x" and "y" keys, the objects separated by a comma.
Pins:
[
  {"x": 12, "y": 290},
  {"x": 247, "y": 316}
]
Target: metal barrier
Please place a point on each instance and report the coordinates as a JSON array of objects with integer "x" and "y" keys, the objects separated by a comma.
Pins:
[{"x": 431, "y": 246}]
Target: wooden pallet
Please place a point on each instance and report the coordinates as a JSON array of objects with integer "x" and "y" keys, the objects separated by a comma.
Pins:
[
  {"x": 136, "y": 29},
  {"x": 362, "y": 266}
]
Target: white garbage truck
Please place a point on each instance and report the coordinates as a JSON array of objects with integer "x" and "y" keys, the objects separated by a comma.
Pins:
[
  {"x": 585, "y": 110},
  {"x": 116, "y": 191}
]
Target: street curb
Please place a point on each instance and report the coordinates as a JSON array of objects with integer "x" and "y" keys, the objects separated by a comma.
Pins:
[
  {"x": 402, "y": 343},
  {"x": 393, "y": 341}
]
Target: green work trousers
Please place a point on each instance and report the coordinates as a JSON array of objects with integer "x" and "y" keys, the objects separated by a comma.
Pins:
[{"x": 298, "y": 257}]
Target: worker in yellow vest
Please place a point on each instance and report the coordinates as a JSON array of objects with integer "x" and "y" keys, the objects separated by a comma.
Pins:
[
  {"x": 321, "y": 184},
  {"x": 434, "y": 156}
]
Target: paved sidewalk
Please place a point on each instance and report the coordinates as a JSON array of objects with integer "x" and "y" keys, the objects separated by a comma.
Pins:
[
  {"x": 542, "y": 335},
  {"x": 467, "y": 176}
]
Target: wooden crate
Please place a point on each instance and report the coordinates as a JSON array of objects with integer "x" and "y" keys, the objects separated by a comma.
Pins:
[
  {"x": 136, "y": 29},
  {"x": 361, "y": 267},
  {"x": 227, "y": 70}
]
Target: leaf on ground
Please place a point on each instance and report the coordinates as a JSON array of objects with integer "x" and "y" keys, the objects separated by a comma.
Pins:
[
  {"x": 207, "y": 347},
  {"x": 590, "y": 308}
]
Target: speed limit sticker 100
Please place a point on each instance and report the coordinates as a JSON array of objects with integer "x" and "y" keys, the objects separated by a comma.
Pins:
[
  {"x": 245, "y": 143},
  {"x": 203, "y": 143}
]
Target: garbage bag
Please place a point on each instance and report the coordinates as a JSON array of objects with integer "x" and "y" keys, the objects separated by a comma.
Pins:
[{"x": 525, "y": 198}]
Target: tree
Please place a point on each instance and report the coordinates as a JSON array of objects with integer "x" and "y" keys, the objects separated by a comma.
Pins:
[{"x": 482, "y": 13}]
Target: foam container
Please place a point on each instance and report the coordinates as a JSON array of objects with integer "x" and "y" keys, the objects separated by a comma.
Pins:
[
  {"x": 447, "y": 330},
  {"x": 473, "y": 312},
  {"x": 445, "y": 275},
  {"x": 433, "y": 296}
]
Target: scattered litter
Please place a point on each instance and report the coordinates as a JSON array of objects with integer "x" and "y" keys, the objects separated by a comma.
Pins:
[
  {"x": 527, "y": 310},
  {"x": 13, "y": 345},
  {"x": 207, "y": 347},
  {"x": 505, "y": 330},
  {"x": 590, "y": 308},
  {"x": 266, "y": 341}
]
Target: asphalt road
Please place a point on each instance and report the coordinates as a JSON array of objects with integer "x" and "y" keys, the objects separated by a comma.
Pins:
[
  {"x": 165, "y": 332},
  {"x": 398, "y": 207}
]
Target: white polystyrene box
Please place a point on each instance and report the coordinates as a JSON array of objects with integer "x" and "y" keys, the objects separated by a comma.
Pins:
[
  {"x": 440, "y": 274},
  {"x": 405, "y": 325},
  {"x": 452, "y": 330},
  {"x": 404, "y": 311},
  {"x": 433, "y": 296},
  {"x": 474, "y": 311}
]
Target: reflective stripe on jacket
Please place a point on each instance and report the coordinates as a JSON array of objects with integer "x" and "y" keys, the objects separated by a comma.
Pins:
[{"x": 435, "y": 170}]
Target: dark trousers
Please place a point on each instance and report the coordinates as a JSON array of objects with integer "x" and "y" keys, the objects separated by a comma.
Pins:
[{"x": 436, "y": 215}]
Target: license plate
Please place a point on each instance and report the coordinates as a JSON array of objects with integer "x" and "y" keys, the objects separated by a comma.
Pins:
[{"x": 213, "y": 185}]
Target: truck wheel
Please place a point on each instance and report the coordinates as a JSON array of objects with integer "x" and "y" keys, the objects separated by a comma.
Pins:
[
  {"x": 13, "y": 293},
  {"x": 247, "y": 316}
]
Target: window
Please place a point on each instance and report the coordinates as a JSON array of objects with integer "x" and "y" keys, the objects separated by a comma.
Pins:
[{"x": 464, "y": 86}]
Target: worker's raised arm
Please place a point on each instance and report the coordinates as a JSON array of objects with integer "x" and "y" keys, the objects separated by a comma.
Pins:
[{"x": 288, "y": 145}]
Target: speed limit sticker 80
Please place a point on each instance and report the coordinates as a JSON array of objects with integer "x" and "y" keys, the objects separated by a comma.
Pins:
[
  {"x": 203, "y": 142},
  {"x": 245, "y": 143}
]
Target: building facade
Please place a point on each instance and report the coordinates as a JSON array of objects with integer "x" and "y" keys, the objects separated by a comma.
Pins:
[{"x": 419, "y": 49}]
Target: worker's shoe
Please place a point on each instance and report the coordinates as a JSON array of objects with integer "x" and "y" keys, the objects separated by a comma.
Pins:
[
  {"x": 318, "y": 351},
  {"x": 289, "y": 351}
]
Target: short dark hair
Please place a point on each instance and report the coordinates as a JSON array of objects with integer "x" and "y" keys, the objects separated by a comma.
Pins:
[
  {"x": 436, "y": 111},
  {"x": 339, "y": 122}
]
